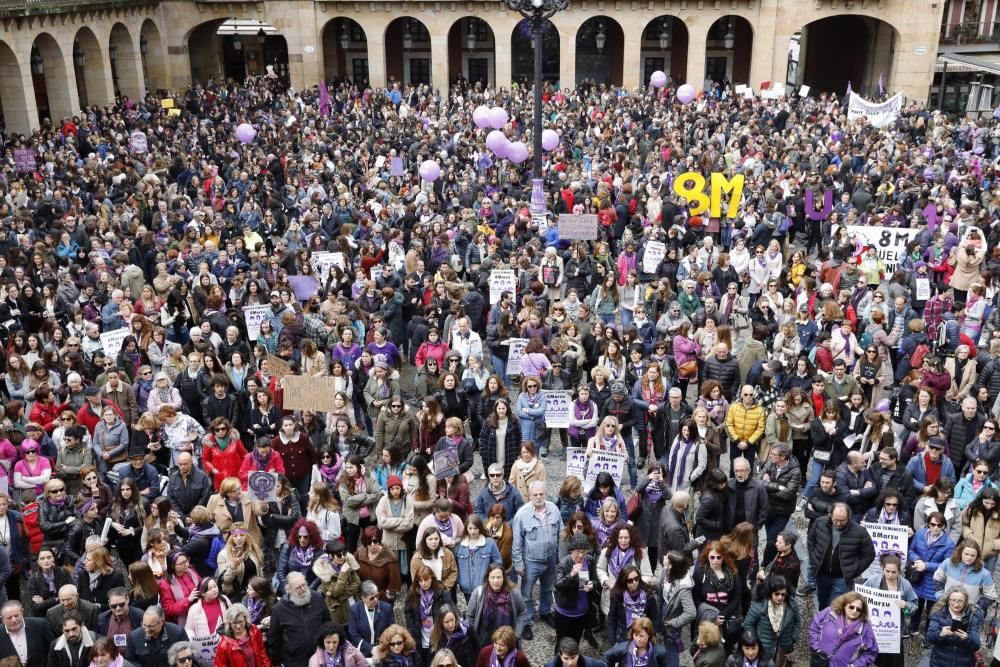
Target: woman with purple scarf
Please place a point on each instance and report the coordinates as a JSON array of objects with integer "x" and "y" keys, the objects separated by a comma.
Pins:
[
  {"x": 305, "y": 545},
  {"x": 639, "y": 650},
  {"x": 631, "y": 598},
  {"x": 503, "y": 652},
  {"x": 583, "y": 422},
  {"x": 843, "y": 633},
  {"x": 425, "y": 601},
  {"x": 624, "y": 548},
  {"x": 576, "y": 588},
  {"x": 687, "y": 459},
  {"x": 496, "y": 604}
]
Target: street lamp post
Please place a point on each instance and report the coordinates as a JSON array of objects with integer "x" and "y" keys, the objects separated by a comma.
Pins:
[{"x": 537, "y": 12}]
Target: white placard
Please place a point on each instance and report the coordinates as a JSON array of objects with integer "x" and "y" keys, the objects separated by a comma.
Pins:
[
  {"x": 541, "y": 220},
  {"x": 748, "y": 93},
  {"x": 653, "y": 255},
  {"x": 923, "y": 288},
  {"x": 322, "y": 261},
  {"x": 890, "y": 242},
  {"x": 263, "y": 486},
  {"x": 253, "y": 316},
  {"x": 515, "y": 350},
  {"x": 502, "y": 280},
  {"x": 885, "y": 616},
  {"x": 576, "y": 462},
  {"x": 878, "y": 114},
  {"x": 886, "y": 540},
  {"x": 111, "y": 341},
  {"x": 106, "y": 529},
  {"x": 609, "y": 462},
  {"x": 740, "y": 87},
  {"x": 803, "y": 91},
  {"x": 204, "y": 649},
  {"x": 558, "y": 408}
]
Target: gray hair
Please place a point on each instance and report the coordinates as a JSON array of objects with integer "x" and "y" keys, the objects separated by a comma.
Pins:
[
  {"x": 176, "y": 650},
  {"x": 368, "y": 588},
  {"x": 534, "y": 486},
  {"x": 234, "y": 611},
  {"x": 157, "y": 610}
]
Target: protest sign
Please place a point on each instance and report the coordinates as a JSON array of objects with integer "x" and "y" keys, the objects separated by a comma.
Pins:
[
  {"x": 654, "y": 254},
  {"x": 253, "y": 316},
  {"x": 322, "y": 261},
  {"x": 137, "y": 142},
  {"x": 887, "y": 540},
  {"x": 515, "y": 348},
  {"x": 111, "y": 342},
  {"x": 609, "y": 462},
  {"x": 576, "y": 462},
  {"x": 890, "y": 242},
  {"x": 167, "y": 103},
  {"x": 396, "y": 166},
  {"x": 173, "y": 112},
  {"x": 446, "y": 462},
  {"x": 502, "y": 280},
  {"x": 204, "y": 649},
  {"x": 263, "y": 486},
  {"x": 24, "y": 159},
  {"x": 277, "y": 366},
  {"x": 537, "y": 195},
  {"x": 878, "y": 114},
  {"x": 923, "y": 288},
  {"x": 540, "y": 221},
  {"x": 558, "y": 408},
  {"x": 803, "y": 91},
  {"x": 885, "y": 616},
  {"x": 581, "y": 227},
  {"x": 303, "y": 286},
  {"x": 303, "y": 392}
]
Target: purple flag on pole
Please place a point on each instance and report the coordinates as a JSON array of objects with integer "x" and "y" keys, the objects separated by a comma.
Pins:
[
  {"x": 881, "y": 87},
  {"x": 324, "y": 98}
]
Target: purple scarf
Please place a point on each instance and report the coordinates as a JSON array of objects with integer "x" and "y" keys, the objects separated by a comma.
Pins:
[
  {"x": 302, "y": 559},
  {"x": 654, "y": 492},
  {"x": 636, "y": 660},
  {"x": 444, "y": 527},
  {"x": 620, "y": 559},
  {"x": 604, "y": 531},
  {"x": 426, "y": 606},
  {"x": 679, "y": 476},
  {"x": 261, "y": 461},
  {"x": 334, "y": 660},
  {"x": 508, "y": 660},
  {"x": 329, "y": 474},
  {"x": 635, "y": 607}
]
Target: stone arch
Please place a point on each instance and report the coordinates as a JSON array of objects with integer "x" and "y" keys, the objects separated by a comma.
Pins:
[
  {"x": 154, "y": 56},
  {"x": 407, "y": 45},
  {"x": 600, "y": 51},
  {"x": 872, "y": 41},
  {"x": 523, "y": 53},
  {"x": 89, "y": 70},
  {"x": 664, "y": 47},
  {"x": 472, "y": 51},
  {"x": 55, "y": 96},
  {"x": 729, "y": 50},
  {"x": 126, "y": 64},
  {"x": 345, "y": 51},
  {"x": 236, "y": 47},
  {"x": 13, "y": 102}
]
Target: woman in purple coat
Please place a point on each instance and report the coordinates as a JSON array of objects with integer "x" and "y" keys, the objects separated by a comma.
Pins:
[{"x": 842, "y": 632}]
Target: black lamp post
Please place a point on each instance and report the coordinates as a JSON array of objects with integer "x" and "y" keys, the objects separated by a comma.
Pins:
[{"x": 537, "y": 11}]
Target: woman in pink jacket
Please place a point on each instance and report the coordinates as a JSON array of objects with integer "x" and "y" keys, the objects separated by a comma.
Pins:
[{"x": 686, "y": 351}]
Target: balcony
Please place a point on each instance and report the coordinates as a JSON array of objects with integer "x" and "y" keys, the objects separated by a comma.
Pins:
[
  {"x": 959, "y": 34},
  {"x": 15, "y": 8}
]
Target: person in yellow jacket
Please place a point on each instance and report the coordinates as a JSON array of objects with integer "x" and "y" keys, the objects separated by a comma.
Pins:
[{"x": 745, "y": 425}]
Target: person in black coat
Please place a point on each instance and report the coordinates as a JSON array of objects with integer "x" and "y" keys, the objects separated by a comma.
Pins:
[
  {"x": 450, "y": 632},
  {"x": 97, "y": 565},
  {"x": 652, "y": 499},
  {"x": 709, "y": 519},
  {"x": 295, "y": 623},
  {"x": 364, "y": 630},
  {"x": 219, "y": 402},
  {"x": 38, "y": 634},
  {"x": 425, "y": 602},
  {"x": 189, "y": 486},
  {"x": 641, "y": 637},
  {"x": 41, "y": 595},
  {"x": 576, "y": 591},
  {"x": 148, "y": 646},
  {"x": 631, "y": 598},
  {"x": 72, "y": 647},
  {"x": 199, "y": 537}
]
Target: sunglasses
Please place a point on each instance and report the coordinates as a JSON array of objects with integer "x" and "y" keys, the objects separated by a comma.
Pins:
[
  {"x": 186, "y": 658},
  {"x": 496, "y": 474},
  {"x": 936, "y": 525},
  {"x": 632, "y": 580},
  {"x": 855, "y": 607},
  {"x": 119, "y": 605},
  {"x": 396, "y": 643}
]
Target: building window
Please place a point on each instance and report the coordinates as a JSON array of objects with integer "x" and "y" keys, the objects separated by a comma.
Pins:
[
  {"x": 417, "y": 30},
  {"x": 479, "y": 28},
  {"x": 360, "y": 71},
  {"x": 651, "y": 65},
  {"x": 356, "y": 32},
  {"x": 420, "y": 70}
]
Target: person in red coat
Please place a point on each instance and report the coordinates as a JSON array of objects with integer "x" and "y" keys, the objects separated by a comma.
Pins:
[
  {"x": 90, "y": 414},
  {"x": 262, "y": 457},
  {"x": 222, "y": 451},
  {"x": 504, "y": 641},
  {"x": 298, "y": 454},
  {"x": 45, "y": 411},
  {"x": 241, "y": 644}
]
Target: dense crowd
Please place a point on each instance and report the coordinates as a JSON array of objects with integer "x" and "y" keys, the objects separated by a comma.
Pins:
[{"x": 771, "y": 370}]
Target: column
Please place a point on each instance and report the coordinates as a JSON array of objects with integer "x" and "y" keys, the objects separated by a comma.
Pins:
[
  {"x": 376, "y": 57},
  {"x": 768, "y": 56},
  {"x": 19, "y": 108},
  {"x": 632, "y": 26},
  {"x": 439, "y": 61},
  {"x": 129, "y": 66},
  {"x": 61, "y": 86},
  {"x": 697, "y": 42},
  {"x": 567, "y": 52}
]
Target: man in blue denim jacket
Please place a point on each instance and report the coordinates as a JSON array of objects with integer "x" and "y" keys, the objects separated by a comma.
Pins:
[{"x": 536, "y": 529}]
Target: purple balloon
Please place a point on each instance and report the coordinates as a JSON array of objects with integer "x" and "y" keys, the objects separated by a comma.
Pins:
[
  {"x": 685, "y": 93},
  {"x": 496, "y": 141},
  {"x": 836, "y": 135},
  {"x": 502, "y": 151},
  {"x": 517, "y": 152},
  {"x": 245, "y": 132},
  {"x": 498, "y": 118},
  {"x": 658, "y": 79},
  {"x": 429, "y": 170},
  {"x": 550, "y": 140},
  {"x": 481, "y": 117}
]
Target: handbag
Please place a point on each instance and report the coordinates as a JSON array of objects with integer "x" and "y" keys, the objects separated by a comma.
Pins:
[
  {"x": 688, "y": 369},
  {"x": 912, "y": 574},
  {"x": 732, "y": 626},
  {"x": 634, "y": 508}
]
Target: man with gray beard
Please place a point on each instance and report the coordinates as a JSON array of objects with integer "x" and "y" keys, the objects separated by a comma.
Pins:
[{"x": 295, "y": 622}]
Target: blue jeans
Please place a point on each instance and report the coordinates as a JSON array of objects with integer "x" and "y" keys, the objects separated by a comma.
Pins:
[
  {"x": 500, "y": 368},
  {"x": 607, "y": 318},
  {"x": 672, "y": 657},
  {"x": 545, "y": 574},
  {"x": 815, "y": 470},
  {"x": 829, "y": 589}
]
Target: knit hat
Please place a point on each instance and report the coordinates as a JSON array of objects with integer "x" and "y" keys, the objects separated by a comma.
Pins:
[
  {"x": 618, "y": 387},
  {"x": 579, "y": 543},
  {"x": 393, "y": 480}
]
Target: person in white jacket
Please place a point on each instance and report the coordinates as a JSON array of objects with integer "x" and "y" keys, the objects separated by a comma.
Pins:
[{"x": 206, "y": 616}]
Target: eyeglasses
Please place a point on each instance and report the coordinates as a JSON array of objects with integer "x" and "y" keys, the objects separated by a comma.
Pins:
[
  {"x": 55, "y": 491},
  {"x": 398, "y": 642},
  {"x": 186, "y": 658},
  {"x": 982, "y": 472},
  {"x": 496, "y": 474},
  {"x": 855, "y": 607},
  {"x": 889, "y": 504},
  {"x": 632, "y": 580},
  {"x": 221, "y": 430}
]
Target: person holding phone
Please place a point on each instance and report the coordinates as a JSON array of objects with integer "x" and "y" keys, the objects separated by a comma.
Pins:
[{"x": 953, "y": 630}]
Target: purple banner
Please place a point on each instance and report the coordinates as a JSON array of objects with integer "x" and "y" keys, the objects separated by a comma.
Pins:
[
  {"x": 537, "y": 195},
  {"x": 303, "y": 286},
  {"x": 24, "y": 159}
]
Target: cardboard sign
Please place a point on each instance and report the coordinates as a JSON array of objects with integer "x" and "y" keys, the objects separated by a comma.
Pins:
[
  {"x": 263, "y": 486},
  {"x": 253, "y": 316},
  {"x": 24, "y": 160},
  {"x": 558, "y": 408},
  {"x": 576, "y": 462},
  {"x": 167, "y": 103},
  {"x": 396, "y": 166},
  {"x": 277, "y": 366},
  {"x": 581, "y": 227},
  {"x": 886, "y": 540},
  {"x": 322, "y": 261},
  {"x": 803, "y": 91},
  {"x": 515, "y": 350},
  {"x": 446, "y": 463},
  {"x": 137, "y": 142},
  {"x": 173, "y": 112},
  {"x": 111, "y": 342},
  {"x": 541, "y": 221},
  {"x": 609, "y": 462},
  {"x": 653, "y": 256},
  {"x": 890, "y": 242},
  {"x": 885, "y": 616},
  {"x": 502, "y": 280},
  {"x": 309, "y": 393}
]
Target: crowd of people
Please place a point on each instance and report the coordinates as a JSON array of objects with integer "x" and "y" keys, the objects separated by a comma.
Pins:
[{"x": 771, "y": 371}]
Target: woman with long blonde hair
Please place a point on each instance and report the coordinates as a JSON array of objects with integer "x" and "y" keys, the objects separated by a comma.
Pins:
[{"x": 239, "y": 561}]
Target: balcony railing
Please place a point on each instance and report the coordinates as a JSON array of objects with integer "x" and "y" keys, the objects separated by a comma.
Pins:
[
  {"x": 10, "y": 8},
  {"x": 970, "y": 33}
]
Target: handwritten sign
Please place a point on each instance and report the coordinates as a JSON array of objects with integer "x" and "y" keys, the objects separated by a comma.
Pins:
[
  {"x": 558, "y": 408},
  {"x": 137, "y": 142},
  {"x": 886, "y": 540},
  {"x": 581, "y": 227},
  {"x": 263, "y": 486},
  {"x": 885, "y": 616},
  {"x": 576, "y": 462},
  {"x": 322, "y": 261},
  {"x": 204, "y": 649},
  {"x": 167, "y": 103},
  {"x": 445, "y": 462},
  {"x": 111, "y": 342},
  {"x": 277, "y": 366},
  {"x": 309, "y": 393},
  {"x": 609, "y": 462},
  {"x": 24, "y": 159},
  {"x": 537, "y": 195},
  {"x": 890, "y": 242},
  {"x": 923, "y": 288},
  {"x": 502, "y": 280},
  {"x": 253, "y": 316},
  {"x": 653, "y": 256},
  {"x": 515, "y": 350}
]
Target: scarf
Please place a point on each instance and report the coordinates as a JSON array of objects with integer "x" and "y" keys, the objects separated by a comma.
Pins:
[
  {"x": 261, "y": 462},
  {"x": 525, "y": 468},
  {"x": 51, "y": 501},
  {"x": 609, "y": 444},
  {"x": 222, "y": 442},
  {"x": 50, "y": 579},
  {"x": 727, "y": 582},
  {"x": 328, "y": 473},
  {"x": 888, "y": 519},
  {"x": 620, "y": 559},
  {"x": 654, "y": 492},
  {"x": 498, "y": 606},
  {"x": 427, "y": 607},
  {"x": 95, "y": 581},
  {"x": 635, "y": 606},
  {"x": 776, "y": 614},
  {"x": 163, "y": 394},
  {"x": 256, "y": 607},
  {"x": 145, "y": 386},
  {"x": 444, "y": 527},
  {"x": 603, "y": 531},
  {"x": 508, "y": 660},
  {"x": 634, "y": 659},
  {"x": 456, "y": 636},
  {"x": 302, "y": 559},
  {"x": 361, "y": 487},
  {"x": 335, "y": 660},
  {"x": 679, "y": 476}
]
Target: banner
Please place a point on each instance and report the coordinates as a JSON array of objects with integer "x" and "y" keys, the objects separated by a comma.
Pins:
[
  {"x": 309, "y": 393},
  {"x": 502, "y": 280},
  {"x": 890, "y": 242},
  {"x": 24, "y": 159},
  {"x": 653, "y": 255},
  {"x": 558, "y": 408},
  {"x": 263, "y": 486},
  {"x": 581, "y": 227},
  {"x": 111, "y": 342},
  {"x": 878, "y": 115},
  {"x": 537, "y": 195},
  {"x": 576, "y": 462},
  {"x": 885, "y": 616},
  {"x": 253, "y": 316},
  {"x": 541, "y": 221},
  {"x": 137, "y": 142},
  {"x": 886, "y": 540},
  {"x": 609, "y": 462},
  {"x": 515, "y": 348}
]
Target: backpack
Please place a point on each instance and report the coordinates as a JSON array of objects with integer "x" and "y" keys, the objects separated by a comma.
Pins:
[
  {"x": 917, "y": 358},
  {"x": 866, "y": 339}
]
